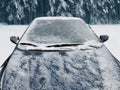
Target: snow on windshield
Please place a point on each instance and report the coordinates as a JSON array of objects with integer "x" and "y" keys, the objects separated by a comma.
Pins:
[{"x": 58, "y": 31}]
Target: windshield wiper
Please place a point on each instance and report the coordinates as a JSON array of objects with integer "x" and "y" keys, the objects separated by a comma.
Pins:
[
  {"x": 63, "y": 45},
  {"x": 30, "y": 44}
]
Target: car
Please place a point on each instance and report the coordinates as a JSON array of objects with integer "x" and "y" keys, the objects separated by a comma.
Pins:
[{"x": 60, "y": 53}]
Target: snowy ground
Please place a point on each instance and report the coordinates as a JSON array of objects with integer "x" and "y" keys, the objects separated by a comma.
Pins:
[
  {"x": 113, "y": 31},
  {"x": 6, "y": 47}
]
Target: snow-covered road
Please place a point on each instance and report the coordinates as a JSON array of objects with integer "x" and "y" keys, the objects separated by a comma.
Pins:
[{"x": 6, "y": 47}]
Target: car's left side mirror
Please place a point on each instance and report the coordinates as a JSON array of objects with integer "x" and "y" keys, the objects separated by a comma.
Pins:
[
  {"x": 104, "y": 38},
  {"x": 14, "y": 39}
]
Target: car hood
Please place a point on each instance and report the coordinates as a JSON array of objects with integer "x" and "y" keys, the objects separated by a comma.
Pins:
[{"x": 94, "y": 69}]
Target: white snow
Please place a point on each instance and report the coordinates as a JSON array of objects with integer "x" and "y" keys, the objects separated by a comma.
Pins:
[
  {"x": 58, "y": 18},
  {"x": 113, "y": 31},
  {"x": 6, "y": 47},
  {"x": 45, "y": 47}
]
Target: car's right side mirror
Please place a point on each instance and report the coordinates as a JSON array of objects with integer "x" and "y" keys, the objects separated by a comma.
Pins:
[
  {"x": 104, "y": 38},
  {"x": 14, "y": 39}
]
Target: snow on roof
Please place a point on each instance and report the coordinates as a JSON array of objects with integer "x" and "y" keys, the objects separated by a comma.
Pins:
[{"x": 58, "y": 18}]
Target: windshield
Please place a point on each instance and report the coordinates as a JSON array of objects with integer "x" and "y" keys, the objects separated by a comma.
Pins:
[{"x": 58, "y": 31}]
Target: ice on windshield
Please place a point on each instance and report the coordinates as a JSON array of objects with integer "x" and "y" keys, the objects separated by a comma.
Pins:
[{"x": 58, "y": 31}]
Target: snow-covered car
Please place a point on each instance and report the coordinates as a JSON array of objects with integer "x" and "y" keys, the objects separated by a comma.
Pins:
[{"x": 60, "y": 53}]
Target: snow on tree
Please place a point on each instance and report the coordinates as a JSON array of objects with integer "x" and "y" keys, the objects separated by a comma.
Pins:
[
  {"x": 92, "y": 11},
  {"x": 16, "y": 9}
]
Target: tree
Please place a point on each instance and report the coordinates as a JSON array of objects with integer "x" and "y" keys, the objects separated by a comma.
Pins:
[{"x": 92, "y": 11}]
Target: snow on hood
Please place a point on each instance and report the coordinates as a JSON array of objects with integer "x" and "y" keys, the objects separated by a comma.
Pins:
[{"x": 61, "y": 70}]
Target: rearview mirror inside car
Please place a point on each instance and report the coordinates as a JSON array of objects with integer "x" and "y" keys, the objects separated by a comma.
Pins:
[
  {"x": 14, "y": 39},
  {"x": 104, "y": 38}
]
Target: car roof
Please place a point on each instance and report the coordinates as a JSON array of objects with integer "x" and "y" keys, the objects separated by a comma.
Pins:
[{"x": 59, "y": 18}]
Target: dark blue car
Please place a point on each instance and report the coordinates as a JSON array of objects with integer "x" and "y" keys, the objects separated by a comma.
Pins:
[{"x": 60, "y": 53}]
